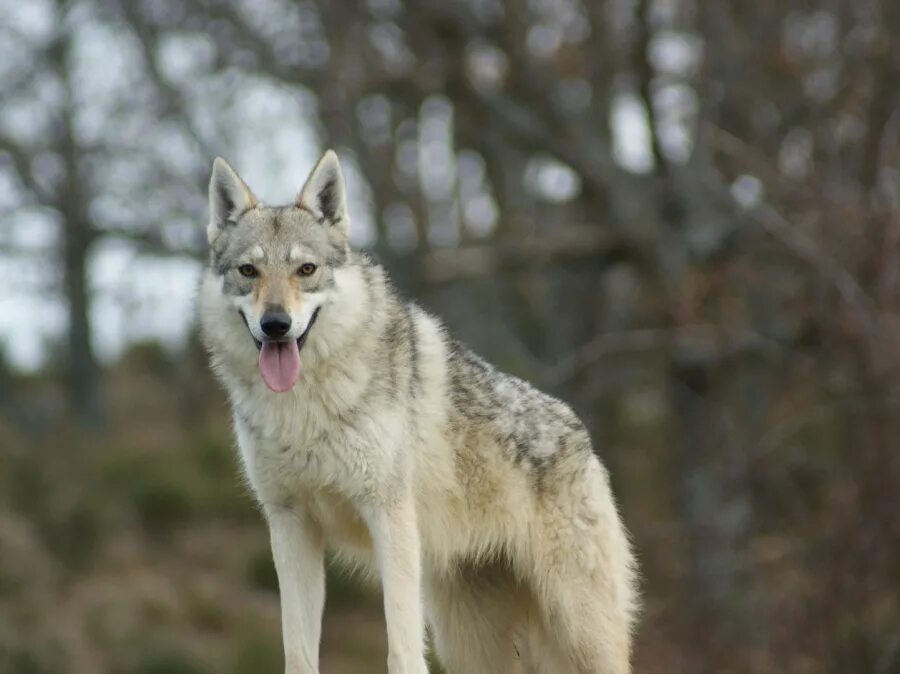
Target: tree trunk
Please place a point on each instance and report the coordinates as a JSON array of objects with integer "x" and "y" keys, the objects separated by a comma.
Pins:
[{"x": 82, "y": 371}]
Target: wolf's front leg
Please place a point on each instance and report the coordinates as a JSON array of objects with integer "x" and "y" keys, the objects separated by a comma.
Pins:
[
  {"x": 299, "y": 554},
  {"x": 396, "y": 540}
]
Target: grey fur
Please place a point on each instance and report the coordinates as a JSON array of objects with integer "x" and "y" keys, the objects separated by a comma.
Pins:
[
  {"x": 472, "y": 493},
  {"x": 284, "y": 227}
]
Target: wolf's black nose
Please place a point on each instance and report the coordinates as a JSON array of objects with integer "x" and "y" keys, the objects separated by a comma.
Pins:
[{"x": 275, "y": 324}]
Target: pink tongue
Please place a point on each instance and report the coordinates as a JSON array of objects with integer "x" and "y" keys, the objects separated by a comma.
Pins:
[{"x": 279, "y": 365}]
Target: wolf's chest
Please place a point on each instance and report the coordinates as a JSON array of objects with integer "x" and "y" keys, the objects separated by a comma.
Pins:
[
  {"x": 331, "y": 478},
  {"x": 291, "y": 450},
  {"x": 287, "y": 466}
]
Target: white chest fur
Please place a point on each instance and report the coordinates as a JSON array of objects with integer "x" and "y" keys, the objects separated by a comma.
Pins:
[{"x": 297, "y": 446}]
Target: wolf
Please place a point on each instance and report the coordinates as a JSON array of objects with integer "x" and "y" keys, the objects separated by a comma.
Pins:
[{"x": 364, "y": 429}]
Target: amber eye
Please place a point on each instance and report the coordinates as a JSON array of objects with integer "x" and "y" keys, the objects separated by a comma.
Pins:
[
  {"x": 307, "y": 269},
  {"x": 248, "y": 270}
]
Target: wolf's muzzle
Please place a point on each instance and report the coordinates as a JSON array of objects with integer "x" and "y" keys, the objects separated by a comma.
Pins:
[
  {"x": 301, "y": 340},
  {"x": 275, "y": 324}
]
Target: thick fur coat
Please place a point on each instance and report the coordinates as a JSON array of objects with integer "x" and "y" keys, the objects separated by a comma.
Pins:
[{"x": 475, "y": 498}]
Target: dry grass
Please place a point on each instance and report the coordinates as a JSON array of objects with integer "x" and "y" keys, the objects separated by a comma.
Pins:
[{"x": 139, "y": 550}]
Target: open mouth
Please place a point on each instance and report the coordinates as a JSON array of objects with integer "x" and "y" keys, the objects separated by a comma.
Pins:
[{"x": 279, "y": 360}]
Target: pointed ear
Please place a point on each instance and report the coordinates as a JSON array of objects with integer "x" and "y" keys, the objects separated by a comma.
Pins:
[
  {"x": 323, "y": 193},
  {"x": 229, "y": 198}
]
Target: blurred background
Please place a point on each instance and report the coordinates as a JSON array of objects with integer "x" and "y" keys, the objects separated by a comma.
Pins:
[{"x": 679, "y": 216}]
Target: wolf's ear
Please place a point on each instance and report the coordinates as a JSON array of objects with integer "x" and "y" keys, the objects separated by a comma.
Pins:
[
  {"x": 229, "y": 198},
  {"x": 323, "y": 193}
]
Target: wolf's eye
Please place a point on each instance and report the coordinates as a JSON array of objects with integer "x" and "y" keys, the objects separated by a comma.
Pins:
[
  {"x": 307, "y": 269},
  {"x": 248, "y": 270}
]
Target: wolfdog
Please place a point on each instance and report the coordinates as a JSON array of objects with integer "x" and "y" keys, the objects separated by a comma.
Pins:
[{"x": 364, "y": 429}]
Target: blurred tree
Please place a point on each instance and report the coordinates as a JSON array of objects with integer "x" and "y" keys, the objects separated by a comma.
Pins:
[
  {"x": 52, "y": 175},
  {"x": 67, "y": 137}
]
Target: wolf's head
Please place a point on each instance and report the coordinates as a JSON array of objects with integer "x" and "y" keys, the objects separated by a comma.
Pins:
[{"x": 276, "y": 264}]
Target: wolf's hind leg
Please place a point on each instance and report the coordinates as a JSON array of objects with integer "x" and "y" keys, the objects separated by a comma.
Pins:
[
  {"x": 583, "y": 633},
  {"x": 583, "y": 575},
  {"x": 475, "y": 616}
]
